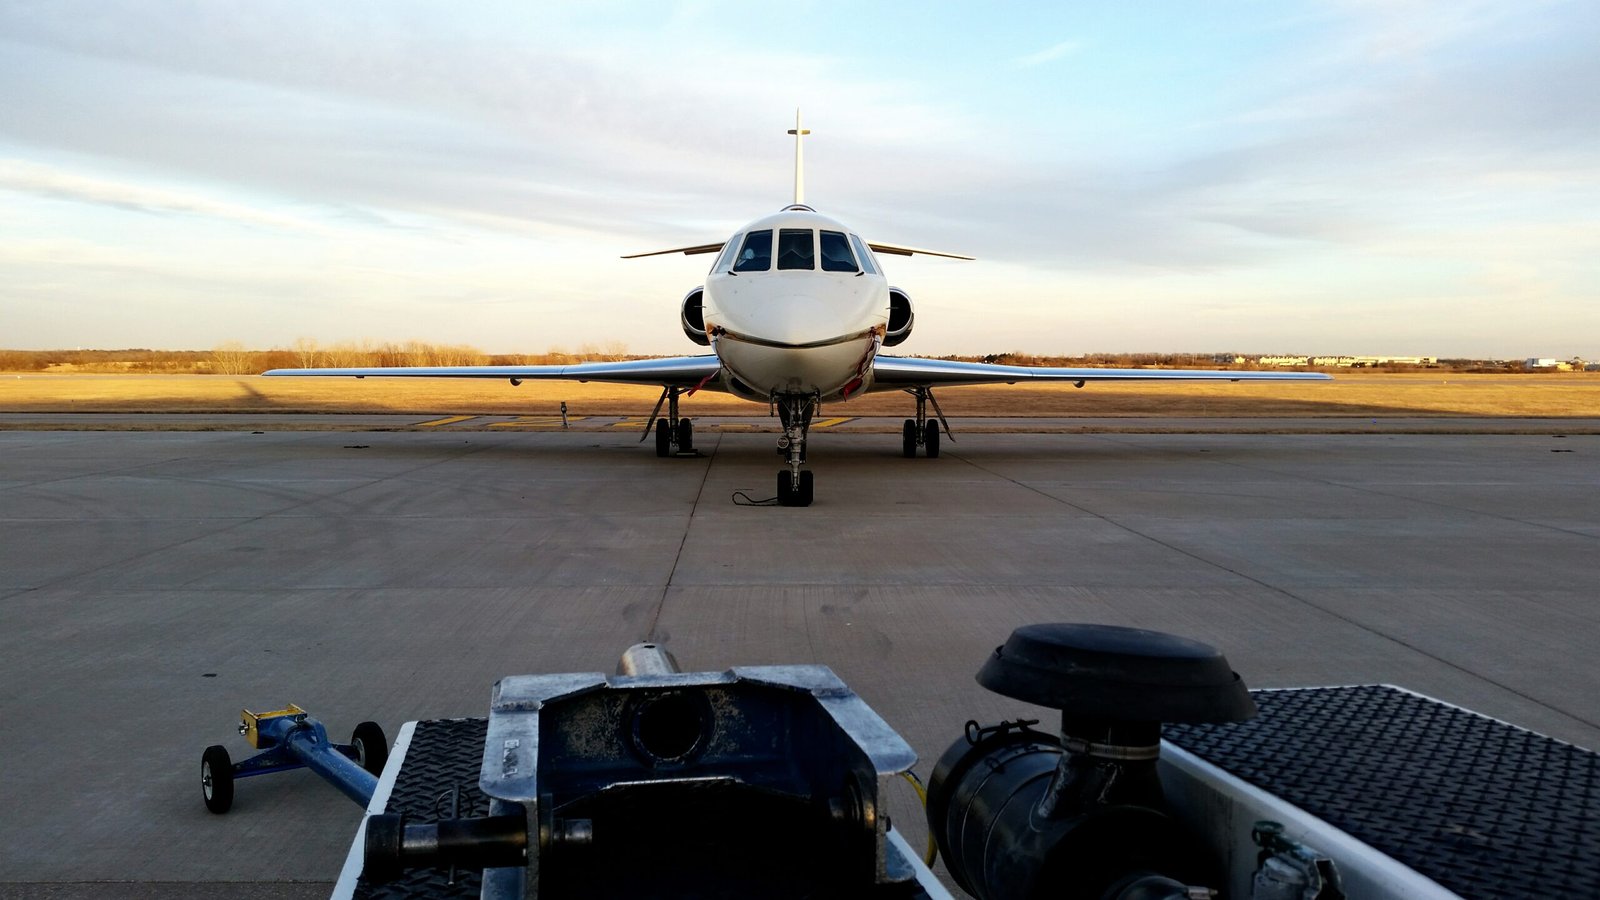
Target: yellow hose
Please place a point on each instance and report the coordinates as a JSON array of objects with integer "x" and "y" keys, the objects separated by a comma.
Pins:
[{"x": 932, "y": 853}]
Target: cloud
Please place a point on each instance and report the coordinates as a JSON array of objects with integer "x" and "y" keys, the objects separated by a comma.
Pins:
[
  {"x": 1048, "y": 54},
  {"x": 59, "y": 184}
]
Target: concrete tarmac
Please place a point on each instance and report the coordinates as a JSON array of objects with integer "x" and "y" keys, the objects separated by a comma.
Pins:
[{"x": 153, "y": 583}]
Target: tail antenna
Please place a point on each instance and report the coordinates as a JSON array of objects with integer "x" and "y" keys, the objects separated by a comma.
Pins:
[{"x": 799, "y": 160}]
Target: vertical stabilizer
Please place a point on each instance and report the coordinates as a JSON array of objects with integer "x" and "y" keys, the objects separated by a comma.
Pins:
[{"x": 799, "y": 160}]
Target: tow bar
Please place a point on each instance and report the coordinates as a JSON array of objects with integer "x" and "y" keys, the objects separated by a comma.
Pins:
[{"x": 289, "y": 738}]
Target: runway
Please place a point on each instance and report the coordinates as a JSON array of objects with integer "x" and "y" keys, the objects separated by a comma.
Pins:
[{"x": 154, "y": 582}]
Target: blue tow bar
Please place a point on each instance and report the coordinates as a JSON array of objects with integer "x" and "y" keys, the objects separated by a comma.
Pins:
[{"x": 290, "y": 739}]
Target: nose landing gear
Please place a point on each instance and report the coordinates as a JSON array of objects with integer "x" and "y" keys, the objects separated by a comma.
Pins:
[
  {"x": 922, "y": 431},
  {"x": 795, "y": 412}
]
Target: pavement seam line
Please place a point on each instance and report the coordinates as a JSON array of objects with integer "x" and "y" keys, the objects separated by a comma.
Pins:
[
  {"x": 1291, "y": 595},
  {"x": 661, "y": 602},
  {"x": 1377, "y": 493}
]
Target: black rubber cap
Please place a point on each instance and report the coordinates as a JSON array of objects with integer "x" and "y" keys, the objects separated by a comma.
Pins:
[
  {"x": 1119, "y": 674},
  {"x": 381, "y": 860}
]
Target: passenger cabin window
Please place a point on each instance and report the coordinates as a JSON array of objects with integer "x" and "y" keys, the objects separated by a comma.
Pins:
[
  {"x": 756, "y": 254},
  {"x": 796, "y": 249},
  {"x": 725, "y": 258},
  {"x": 836, "y": 255},
  {"x": 866, "y": 258}
]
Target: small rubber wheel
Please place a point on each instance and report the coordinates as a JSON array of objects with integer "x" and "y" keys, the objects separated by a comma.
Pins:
[
  {"x": 216, "y": 778},
  {"x": 663, "y": 438},
  {"x": 685, "y": 435},
  {"x": 930, "y": 439},
  {"x": 803, "y": 495},
  {"x": 908, "y": 439},
  {"x": 372, "y": 748}
]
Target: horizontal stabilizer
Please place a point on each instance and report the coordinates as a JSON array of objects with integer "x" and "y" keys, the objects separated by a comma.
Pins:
[
  {"x": 897, "y": 250},
  {"x": 686, "y": 251}
]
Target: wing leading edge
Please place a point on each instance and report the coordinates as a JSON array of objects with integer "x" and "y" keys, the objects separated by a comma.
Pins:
[
  {"x": 680, "y": 371},
  {"x": 895, "y": 372}
]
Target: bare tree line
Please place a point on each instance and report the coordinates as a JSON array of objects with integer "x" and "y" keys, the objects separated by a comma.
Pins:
[{"x": 234, "y": 358}]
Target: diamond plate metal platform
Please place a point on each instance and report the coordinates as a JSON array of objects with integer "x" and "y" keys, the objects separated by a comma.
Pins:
[
  {"x": 1483, "y": 808},
  {"x": 443, "y": 754}
]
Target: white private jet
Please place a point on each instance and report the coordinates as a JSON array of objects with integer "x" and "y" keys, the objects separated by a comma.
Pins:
[{"x": 795, "y": 310}]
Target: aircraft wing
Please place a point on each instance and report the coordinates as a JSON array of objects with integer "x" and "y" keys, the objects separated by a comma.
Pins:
[
  {"x": 895, "y": 372},
  {"x": 682, "y": 371}
]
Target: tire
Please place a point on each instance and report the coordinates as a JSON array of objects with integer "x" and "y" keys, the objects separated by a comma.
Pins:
[
  {"x": 372, "y": 748},
  {"x": 930, "y": 439},
  {"x": 685, "y": 435},
  {"x": 908, "y": 439},
  {"x": 803, "y": 496},
  {"x": 663, "y": 438},
  {"x": 216, "y": 779},
  {"x": 785, "y": 494}
]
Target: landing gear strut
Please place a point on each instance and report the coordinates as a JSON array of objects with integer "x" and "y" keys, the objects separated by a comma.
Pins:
[
  {"x": 674, "y": 436},
  {"x": 922, "y": 431},
  {"x": 795, "y": 412}
]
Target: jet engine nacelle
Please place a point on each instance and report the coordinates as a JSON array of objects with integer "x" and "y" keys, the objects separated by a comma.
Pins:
[
  {"x": 901, "y": 317},
  {"x": 694, "y": 317}
]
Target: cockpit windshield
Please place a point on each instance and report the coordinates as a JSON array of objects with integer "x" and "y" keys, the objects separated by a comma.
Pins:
[
  {"x": 726, "y": 256},
  {"x": 866, "y": 258},
  {"x": 836, "y": 255},
  {"x": 756, "y": 254},
  {"x": 796, "y": 248}
]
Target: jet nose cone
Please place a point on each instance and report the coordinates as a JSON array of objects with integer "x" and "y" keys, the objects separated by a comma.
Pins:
[{"x": 799, "y": 312}]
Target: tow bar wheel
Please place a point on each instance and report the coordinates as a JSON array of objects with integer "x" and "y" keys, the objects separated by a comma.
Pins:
[
  {"x": 216, "y": 778},
  {"x": 372, "y": 748}
]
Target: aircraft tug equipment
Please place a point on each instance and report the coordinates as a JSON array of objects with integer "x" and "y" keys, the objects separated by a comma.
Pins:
[
  {"x": 288, "y": 739},
  {"x": 1165, "y": 780}
]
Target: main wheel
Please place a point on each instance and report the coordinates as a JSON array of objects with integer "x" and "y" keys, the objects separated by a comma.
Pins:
[
  {"x": 685, "y": 435},
  {"x": 372, "y": 748},
  {"x": 663, "y": 438},
  {"x": 930, "y": 439},
  {"x": 216, "y": 778},
  {"x": 908, "y": 439}
]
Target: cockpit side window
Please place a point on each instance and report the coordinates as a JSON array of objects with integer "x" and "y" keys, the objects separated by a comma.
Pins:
[
  {"x": 726, "y": 256},
  {"x": 836, "y": 255},
  {"x": 796, "y": 249},
  {"x": 756, "y": 254},
  {"x": 861, "y": 252}
]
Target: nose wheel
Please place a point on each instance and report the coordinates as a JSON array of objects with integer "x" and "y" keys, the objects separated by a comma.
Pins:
[{"x": 792, "y": 493}]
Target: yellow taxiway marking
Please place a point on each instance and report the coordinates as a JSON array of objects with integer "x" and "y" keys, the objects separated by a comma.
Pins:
[
  {"x": 630, "y": 421},
  {"x": 535, "y": 422},
  {"x": 448, "y": 420},
  {"x": 838, "y": 420}
]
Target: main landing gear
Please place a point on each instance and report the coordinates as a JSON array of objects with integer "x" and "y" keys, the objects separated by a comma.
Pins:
[
  {"x": 674, "y": 436},
  {"x": 795, "y": 412},
  {"x": 922, "y": 431}
]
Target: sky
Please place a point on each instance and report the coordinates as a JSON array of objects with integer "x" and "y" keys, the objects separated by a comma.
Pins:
[{"x": 1392, "y": 177}]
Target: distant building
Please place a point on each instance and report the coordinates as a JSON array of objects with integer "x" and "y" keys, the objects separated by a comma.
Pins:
[
  {"x": 1283, "y": 361},
  {"x": 1541, "y": 363},
  {"x": 1361, "y": 362}
]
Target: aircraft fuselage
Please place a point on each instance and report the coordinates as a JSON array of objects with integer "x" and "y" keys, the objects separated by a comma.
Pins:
[{"x": 805, "y": 318}]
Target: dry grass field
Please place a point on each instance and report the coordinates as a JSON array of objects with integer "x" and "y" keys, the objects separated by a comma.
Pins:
[{"x": 1350, "y": 394}]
